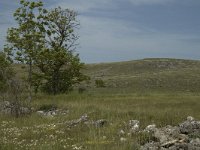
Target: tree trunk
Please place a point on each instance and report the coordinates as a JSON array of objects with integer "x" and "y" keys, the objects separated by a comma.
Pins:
[
  {"x": 55, "y": 82},
  {"x": 30, "y": 81}
]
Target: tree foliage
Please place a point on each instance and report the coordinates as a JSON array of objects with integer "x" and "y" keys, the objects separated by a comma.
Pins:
[
  {"x": 26, "y": 39},
  {"x": 46, "y": 39},
  {"x": 5, "y": 73},
  {"x": 59, "y": 65}
]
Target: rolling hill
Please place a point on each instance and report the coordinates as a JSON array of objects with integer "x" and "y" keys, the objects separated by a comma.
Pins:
[
  {"x": 155, "y": 74},
  {"x": 157, "y": 92},
  {"x": 146, "y": 75}
]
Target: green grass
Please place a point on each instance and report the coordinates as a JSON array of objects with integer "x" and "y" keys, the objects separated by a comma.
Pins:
[
  {"x": 165, "y": 75},
  {"x": 160, "y": 91},
  {"x": 118, "y": 108}
]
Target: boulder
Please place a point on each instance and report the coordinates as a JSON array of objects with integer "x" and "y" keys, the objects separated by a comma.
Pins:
[
  {"x": 82, "y": 119},
  {"x": 151, "y": 146},
  {"x": 150, "y": 128},
  {"x": 166, "y": 134},
  {"x": 134, "y": 126},
  {"x": 194, "y": 144},
  {"x": 16, "y": 109},
  {"x": 122, "y": 139},
  {"x": 189, "y": 127},
  {"x": 175, "y": 137},
  {"x": 101, "y": 123}
]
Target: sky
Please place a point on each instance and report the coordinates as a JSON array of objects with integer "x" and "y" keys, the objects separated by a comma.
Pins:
[{"x": 120, "y": 30}]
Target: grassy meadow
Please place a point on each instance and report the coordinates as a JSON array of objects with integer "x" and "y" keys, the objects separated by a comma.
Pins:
[{"x": 160, "y": 91}]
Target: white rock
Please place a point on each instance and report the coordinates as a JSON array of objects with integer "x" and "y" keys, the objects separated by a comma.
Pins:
[
  {"x": 190, "y": 118},
  {"x": 53, "y": 113},
  {"x": 134, "y": 128},
  {"x": 129, "y": 134},
  {"x": 150, "y": 128},
  {"x": 40, "y": 112},
  {"x": 84, "y": 118},
  {"x": 133, "y": 123},
  {"x": 122, "y": 139},
  {"x": 121, "y": 132}
]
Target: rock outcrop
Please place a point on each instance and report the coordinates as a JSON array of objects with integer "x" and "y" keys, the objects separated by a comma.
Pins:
[
  {"x": 185, "y": 136},
  {"x": 16, "y": 109}
]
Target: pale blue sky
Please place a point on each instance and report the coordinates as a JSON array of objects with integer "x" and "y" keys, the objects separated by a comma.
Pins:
[{"x": 118, "y": 30}]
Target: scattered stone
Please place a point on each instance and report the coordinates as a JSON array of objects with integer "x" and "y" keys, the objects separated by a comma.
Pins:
[
  {"x": 82, "y": 119},
  {"x": 9, "y": 108},
  {"x": 5, "y": 104},
  {"x": 174, "y": 138},
  {"x": 129, "y": 134},
  {"x": 5, "y": 107},
  {"x": 165, "y": 134},
  {"x": 40, "y": 112},
  {"x": 25, "y": 110},
  {"x": 104, "y": 137},
  {"x": 122, "y": 139},
  {"x": 151, "y": 146},
  {"x": 100, "y": 123},
  {"x": 122, "y": 132},
  {"x": 133, "y": 123},
  {"x": 190, "y": 118},
  {"x": 51, "y": 112},
  {"x": 168, "y": 144},
  {"x": 134, "y": 126},
  {"x": 179, "y": 146},
  {"x": 150, "y": 128},
  {"x": 194, "y": 144},
  {"x": 189, "y": 127}
]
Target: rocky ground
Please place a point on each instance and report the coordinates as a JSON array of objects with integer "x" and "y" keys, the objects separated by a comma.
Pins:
[{"x": 185, "y": 136}]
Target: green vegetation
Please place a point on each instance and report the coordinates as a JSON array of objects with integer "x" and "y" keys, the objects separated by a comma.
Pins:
[
  {"x": 5, "y": 73},
  {"x": 36, "y": 132},
  {"x": 99, "y": 83},
  {"x": 44, "y": 40},
  {"x": 160, "y": 91},
  {"x": 148, "y": 75},
  {"x": 162, "y": 106}
]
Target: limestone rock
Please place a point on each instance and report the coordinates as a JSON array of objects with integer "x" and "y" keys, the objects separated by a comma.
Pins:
[
  {"x": 9, "y": 108},
  {"x": 100, "y": 123},
  {"x": 134, "y": 126},
  {"x": 150, "y": 128},
  {"x": 122, "y": 139},
  {"x": 122, "y": 132},
  {"x": 175, "y": 138},
  {"x": 189, "y": 127}
]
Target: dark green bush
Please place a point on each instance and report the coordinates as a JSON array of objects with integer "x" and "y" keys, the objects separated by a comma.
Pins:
[
  {"x": 48, "y": 107},
  {"x": 81, "y": 90},
  {"x": 100, "y": 83}
]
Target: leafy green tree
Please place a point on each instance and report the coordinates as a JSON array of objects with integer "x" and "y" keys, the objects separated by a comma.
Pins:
[
  {"x": 26, "y": 39},
  {"x": 46, "y": 40},
  {"x": 57, "y": 62},
  {"x": 6, "y": 72}
]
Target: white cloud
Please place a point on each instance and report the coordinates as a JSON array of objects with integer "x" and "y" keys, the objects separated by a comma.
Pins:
[
  {"x": 84, "y": 5},
  {"x": 144, "y": 2},
  {"x": 103, "y": 39}
]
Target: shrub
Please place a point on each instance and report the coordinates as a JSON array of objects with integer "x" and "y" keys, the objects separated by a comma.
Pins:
[
  {"x": 81, "y": 90},
  {"x": 99, "y": 83},
  {"x": 11, "y": 89},
  {"x": 48, "y": 107}
]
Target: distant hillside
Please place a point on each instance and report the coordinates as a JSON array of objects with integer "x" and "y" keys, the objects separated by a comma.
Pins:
[
  {"x": 149, "y": 74},
  {"x": 158, "y": 74}
]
